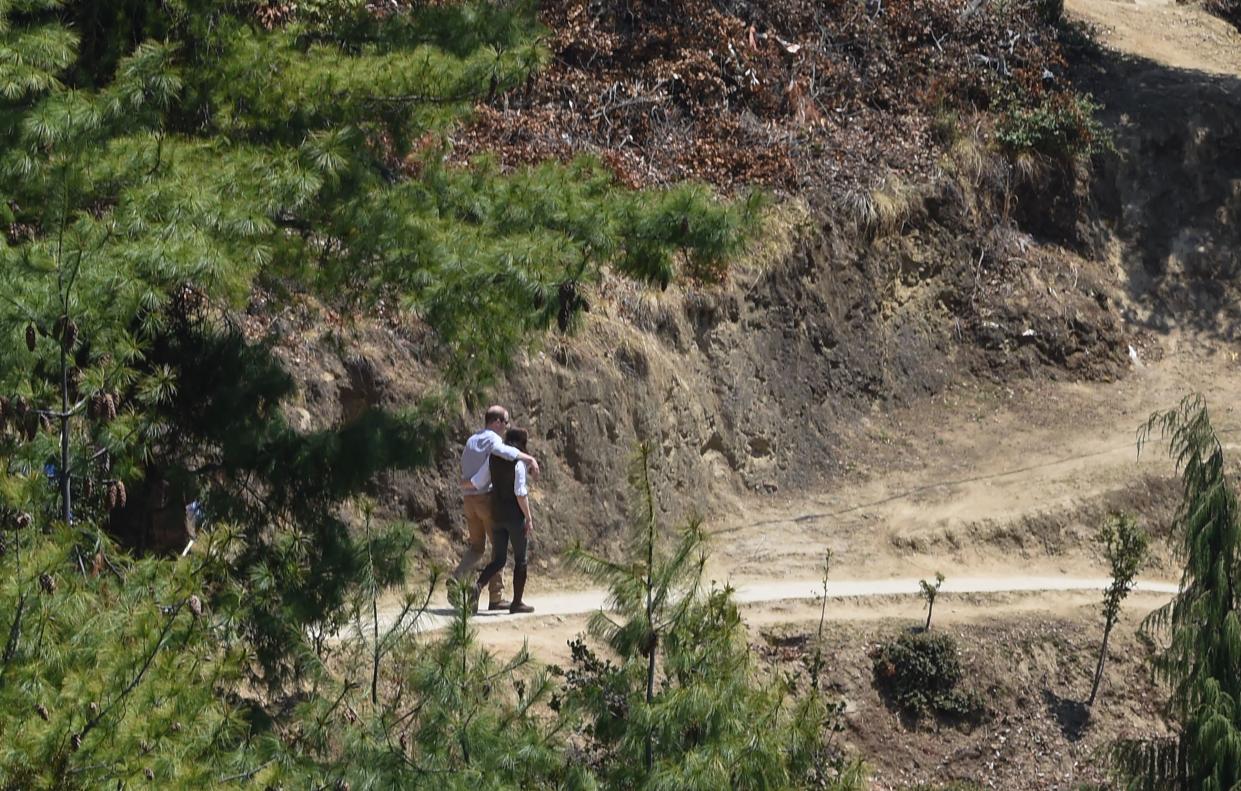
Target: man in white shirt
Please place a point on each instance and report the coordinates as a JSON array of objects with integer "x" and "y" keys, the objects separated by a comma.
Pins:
[{"x": 478, "y": 517}]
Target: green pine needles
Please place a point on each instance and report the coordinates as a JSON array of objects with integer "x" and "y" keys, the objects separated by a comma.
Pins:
[
  {"x": 686, "y": 707},
  {"x": 111, "y": 672},
  {"x": 159, "y": 161},
  {"x": 1202, "y": 624}
]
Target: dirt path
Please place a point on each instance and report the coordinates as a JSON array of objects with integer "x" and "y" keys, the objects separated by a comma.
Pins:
[
  {"x": 586, "y": 602},
  {"x": 978, "y": 480},
  {"x": 966, "y": 485},
  {"x": 999, "y": 488},
  {"x": 1182, "y": 36}
]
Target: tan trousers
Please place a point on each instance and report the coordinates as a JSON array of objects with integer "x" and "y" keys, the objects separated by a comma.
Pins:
[{"x": 478, "y": 524}]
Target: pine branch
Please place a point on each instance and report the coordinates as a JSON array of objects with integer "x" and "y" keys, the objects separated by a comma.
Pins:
[
  {"x": 10, "y": 647},
  {"x": 137, "y": 679}
]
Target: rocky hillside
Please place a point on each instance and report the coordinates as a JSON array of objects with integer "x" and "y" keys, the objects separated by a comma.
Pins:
[{"x": 913, "y": 242}]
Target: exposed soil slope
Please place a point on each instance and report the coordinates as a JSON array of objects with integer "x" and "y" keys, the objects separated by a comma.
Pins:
[
  {"x": 942, "y": 391},
  {"x": 956, "y": 391}
]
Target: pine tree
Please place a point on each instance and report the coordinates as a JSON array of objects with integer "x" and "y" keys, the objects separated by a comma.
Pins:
[
  {"x": 1202, "y": 659},
  {"x": 161, "y": 159},
  {"x": 686, "y": 708},
  {"x": 110, "y": 667}
]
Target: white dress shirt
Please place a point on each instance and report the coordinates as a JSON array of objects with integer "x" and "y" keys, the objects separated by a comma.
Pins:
[
  {"x": 482, "y": 478},
  {"x": 477, "y": 454}
]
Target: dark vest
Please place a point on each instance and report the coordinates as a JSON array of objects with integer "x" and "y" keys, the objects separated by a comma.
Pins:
[{"x": 504, "y": 507}]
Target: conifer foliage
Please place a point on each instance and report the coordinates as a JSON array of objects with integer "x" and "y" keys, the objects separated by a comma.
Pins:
[
  {"x": 1202, "y": 624},
  {"x": 686, "y": 707},
  {"x": 158, "y": 161},
  {"x": 109, "y": 677}
]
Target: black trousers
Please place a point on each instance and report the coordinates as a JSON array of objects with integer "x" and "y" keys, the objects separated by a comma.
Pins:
[{"x": 502, "y": 534}]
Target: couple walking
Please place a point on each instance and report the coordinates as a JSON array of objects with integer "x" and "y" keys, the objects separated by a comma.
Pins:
[{"x": 494, "y": 484}]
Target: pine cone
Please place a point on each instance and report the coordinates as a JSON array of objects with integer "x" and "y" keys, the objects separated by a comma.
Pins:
[
  {"x": 649, "y": 644},
  {"x": 94, "y": 709},
  {"x": 5, "y": 407},
  {"x": 41, "y": 710},
  {"x": 175, "y": 727},
  {"x": 196, "y": 606},
  {"x": 47, "y": 583},
  {"x": 30, "y": 337},
  {"x": 71, "y": 334},
  {"x": 22, "y": 520},
  {"x": 45, "y": 423},
  {"x": 120, "y": 494},
  {"x": 110, "y": 497},
  {"x": 107, "y": 407},
  {"x": 4, "y": 545},
  {"x": 148, "y": 773},
  {"x": 76, "y": 741},
  {"x": 342, "y": 785}
]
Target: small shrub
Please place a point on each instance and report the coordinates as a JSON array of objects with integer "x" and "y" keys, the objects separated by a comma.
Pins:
[
  {"x": 920, "y": 673},
  {"x": 1061, "y": 125}
]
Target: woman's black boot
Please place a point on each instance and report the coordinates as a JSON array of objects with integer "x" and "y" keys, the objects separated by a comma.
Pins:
[{"x": 519, "y": 588}]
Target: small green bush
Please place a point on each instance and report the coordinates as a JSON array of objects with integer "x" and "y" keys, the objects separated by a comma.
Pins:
[
  {"x": 920, "y": 673},
  {"x": 1061, "y": 125}
]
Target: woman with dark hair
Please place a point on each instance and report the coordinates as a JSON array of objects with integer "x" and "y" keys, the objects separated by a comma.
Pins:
[{"x": 512, "y": 520}]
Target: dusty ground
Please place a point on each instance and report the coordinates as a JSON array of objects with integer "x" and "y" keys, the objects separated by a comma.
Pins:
[
  {"x": 838, "y": 399},
  {"x": 1174, "y": 34},
  {"x": 1011, "y": 476},
  {"x": 1032, "y": 669}
]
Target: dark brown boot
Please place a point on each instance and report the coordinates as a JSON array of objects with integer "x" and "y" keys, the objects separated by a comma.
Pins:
[{"x": 519, "y": 588}]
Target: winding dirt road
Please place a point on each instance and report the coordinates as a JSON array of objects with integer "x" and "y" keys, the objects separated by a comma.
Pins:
[{"x": 999, "y": 488}]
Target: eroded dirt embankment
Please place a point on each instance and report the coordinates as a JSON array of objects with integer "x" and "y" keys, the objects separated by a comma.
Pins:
[
  {"x": 971, "y": 323},
  {"x": 758, "y": 387},
  {"x": 956, "y": 391}
]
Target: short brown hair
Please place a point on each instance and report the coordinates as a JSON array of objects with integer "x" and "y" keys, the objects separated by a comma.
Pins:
[
  {"x": 517, "y": 438},
  {"x": 493, "y": 414}
]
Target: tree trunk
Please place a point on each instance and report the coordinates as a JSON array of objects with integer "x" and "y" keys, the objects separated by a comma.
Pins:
[
  {"x": 66, "y": 504},
  {"x": 930, "y": 606},
  {"x": 1098, "y": 672}
]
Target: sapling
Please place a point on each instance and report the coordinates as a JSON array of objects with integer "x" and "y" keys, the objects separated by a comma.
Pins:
[
  {"x": 929, "y": 592},
  {"x": 1124, "y": 546},
  {"x": 816, "y": 665}
]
